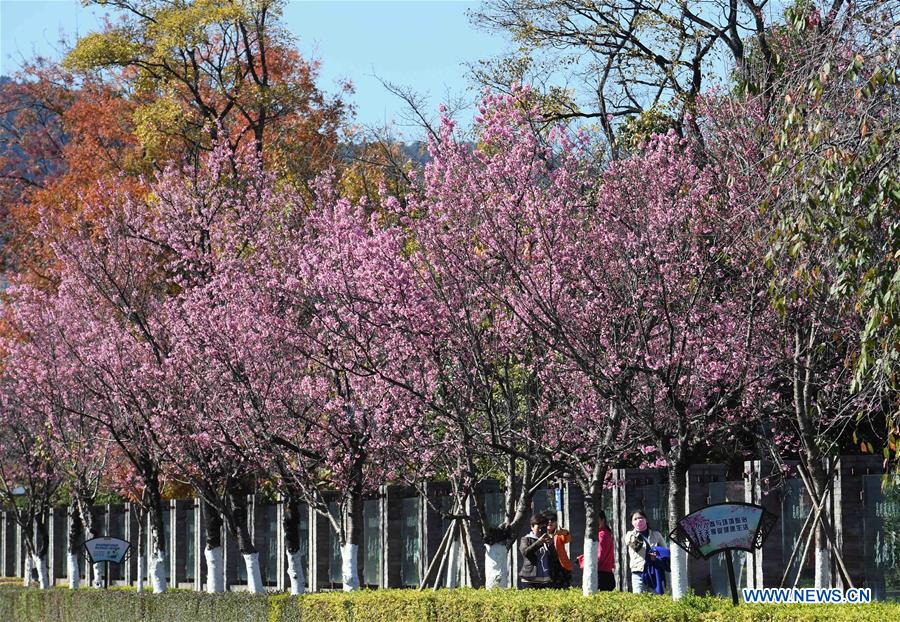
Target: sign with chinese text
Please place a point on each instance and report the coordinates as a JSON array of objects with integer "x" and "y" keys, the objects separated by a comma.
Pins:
[
  {"x": 723, "y": 526},
  {"x": 111, "y": 550}
]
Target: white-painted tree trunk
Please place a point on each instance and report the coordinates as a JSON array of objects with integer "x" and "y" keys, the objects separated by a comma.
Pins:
[
  {"x": 679, "y": 578},
  {"x": 72, "y": 570},
  {"x": 677, "y": 502},
  {"x": 43, "y": 576},
  {"x": 99, "y": 575},
  {"x": 29, "y": 569},
  {"x": 496, "y": 566},
  {"x": 215, "y": 577},
  {"x": 140, "y": 573},
  {"x": 823, "y": 564},
  {"x": 254, "y": 576},
  {"x": 589, "y": 573},
  {"x": 295, "y": 573},
  {"x": 158, "y": 570},
  {"x": 452, "y": 579},
  {"x": 350, "y": 567}
]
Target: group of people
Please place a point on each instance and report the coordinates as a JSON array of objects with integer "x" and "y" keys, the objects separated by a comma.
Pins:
[{"x": 546, "y": 562}]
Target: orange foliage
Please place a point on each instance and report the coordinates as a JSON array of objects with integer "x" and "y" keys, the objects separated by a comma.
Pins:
[{"x": 66, "y": 129}]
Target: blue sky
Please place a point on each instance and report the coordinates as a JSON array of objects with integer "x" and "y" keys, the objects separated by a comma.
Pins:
[{"x": 423, "y": 44}]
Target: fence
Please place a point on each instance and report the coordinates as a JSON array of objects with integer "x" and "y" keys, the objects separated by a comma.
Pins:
[{"x": 401, "y": 531}]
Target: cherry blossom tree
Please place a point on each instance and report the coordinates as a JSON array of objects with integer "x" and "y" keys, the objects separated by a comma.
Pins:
[
  {"x": 497, "y": 232},
  {"x": 336, "y": 417},
  {"x": 210, "y": 228},
  {"x": 638, "y": 280},
  {"x": 107, "y": 322},
  {"x": 103, "y": 356},
  {"x": 29, "y": 479},
  {"x": 488, "y": 391},
  {"x": 695, "y": 303},
  {"x": 79, "y": 446},
  {"x": 253, "y": 382},
  {"x": 216, "y": 417}
]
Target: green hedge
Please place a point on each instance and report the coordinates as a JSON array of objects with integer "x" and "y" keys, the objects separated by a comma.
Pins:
[{"x": 122, "y": 605}]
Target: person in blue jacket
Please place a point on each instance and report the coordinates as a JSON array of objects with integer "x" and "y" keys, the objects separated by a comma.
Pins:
[{"x": 656, "y": 565}]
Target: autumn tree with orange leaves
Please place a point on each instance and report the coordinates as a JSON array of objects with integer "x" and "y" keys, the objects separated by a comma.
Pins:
[{"x": 161, "y": 82}]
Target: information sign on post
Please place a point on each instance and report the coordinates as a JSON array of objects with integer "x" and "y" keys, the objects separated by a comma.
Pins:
[
  {"x": 109, "y": 550},
  {"x": 722, "y": 528}
]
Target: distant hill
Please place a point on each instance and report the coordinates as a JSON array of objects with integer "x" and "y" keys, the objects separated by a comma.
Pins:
[{"x": 417, "y": 152}]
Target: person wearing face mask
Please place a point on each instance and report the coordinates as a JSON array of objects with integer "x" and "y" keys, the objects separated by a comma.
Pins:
[{"x": 640, "y": 540}]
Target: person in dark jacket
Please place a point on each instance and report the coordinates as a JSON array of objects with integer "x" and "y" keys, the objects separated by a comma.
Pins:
[
  {"x": 561, "y": 537},
  {"x": 537, "y": 549}
]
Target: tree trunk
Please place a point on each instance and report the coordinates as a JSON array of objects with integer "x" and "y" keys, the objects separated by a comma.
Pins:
[
  {"x": 822, "y": 558},
  {"x": 141, "y": 551},
  {"x": 350, "y": 566},
  {"x": 214, "y": 554},
  {"x": 99, "y": 571},
  {"x": 254, "y": 574},
  {"x": 40, "y": 562},
  {"x": 805, "y": 368},
  {"x": 291, "y": 525},
  {"x": 593, "y": 505},
  {"x": 90, "y": 531},
  {"x": 29, "y": 567},
  {"x": 296, "y": 573},
  {"x": 351, "y": 520},
  {"x": 41, "y": 540},
  {"x": 74, "y": 546},
  {"x": 452, "y": 578},
  {"x": 157, "y": 552},
  {"x": 496, "y": 565},
  {"x": 499, "y": 540},
  {"x": 823, "y": 547},
  {"x": 497, "y": 547},
  {"x": 237, "y": 524},
  {"x": 679, "y": 563}
]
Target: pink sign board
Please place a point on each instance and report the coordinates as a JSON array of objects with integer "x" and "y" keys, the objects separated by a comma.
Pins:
[{"x": 723, "y": 526}]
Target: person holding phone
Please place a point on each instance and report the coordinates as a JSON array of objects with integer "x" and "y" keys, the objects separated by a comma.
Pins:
[
  {"x": 640, "y": 540},
  {"x": 561, "y": 537},
  {"x": 539, "y": 553}
]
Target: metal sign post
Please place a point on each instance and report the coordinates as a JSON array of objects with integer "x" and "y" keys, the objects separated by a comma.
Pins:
[
  {"x": 722, "y": 528},
  {"x": 732, "y": 582}
]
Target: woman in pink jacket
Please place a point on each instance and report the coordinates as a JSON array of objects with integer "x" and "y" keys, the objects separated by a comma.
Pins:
[{"x": 606, "y": 580}]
